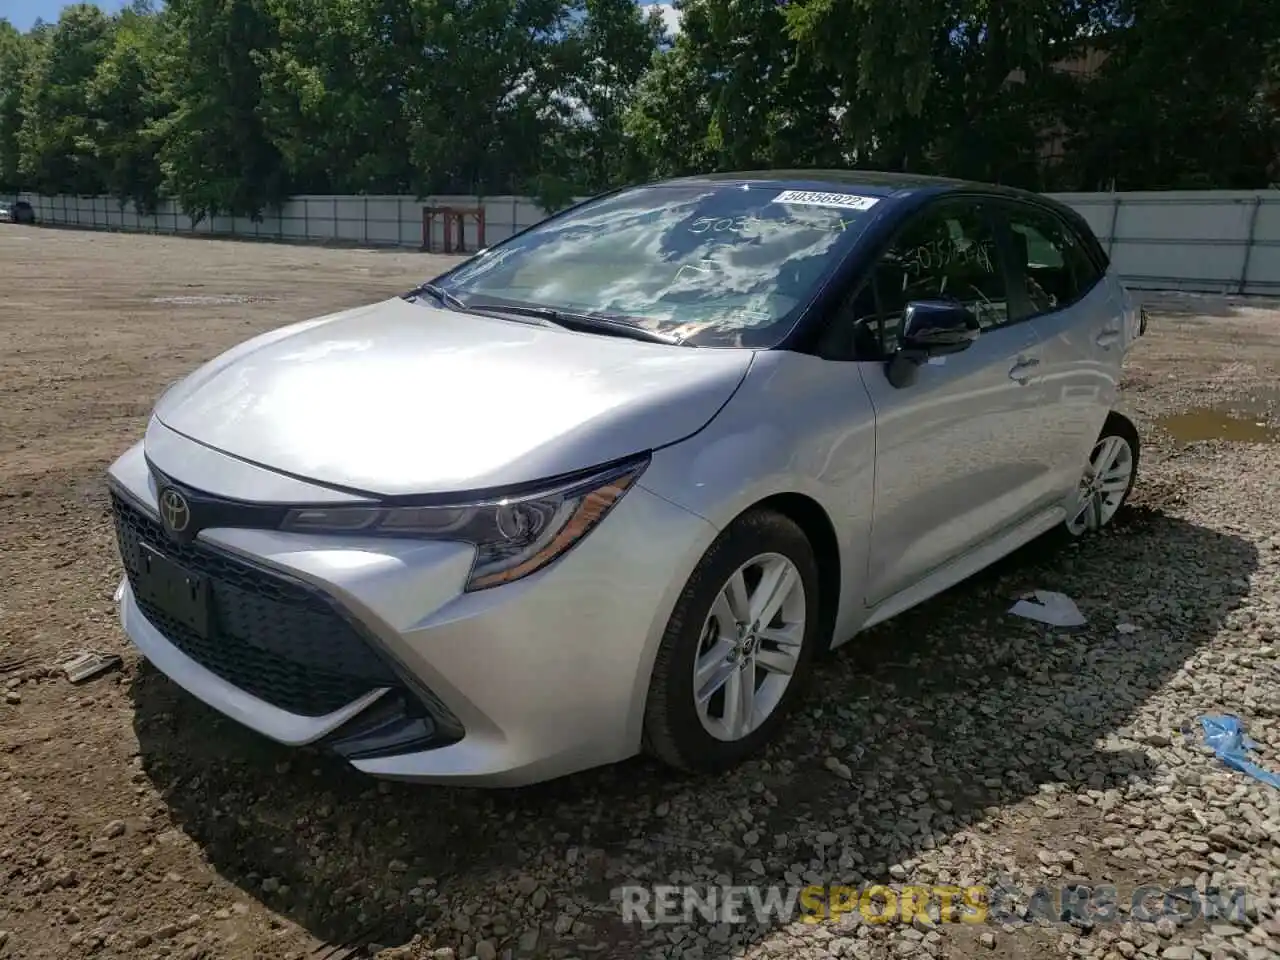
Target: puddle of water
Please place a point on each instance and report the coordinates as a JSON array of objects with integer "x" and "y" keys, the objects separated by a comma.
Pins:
[{"x": 1221, "y": 424}]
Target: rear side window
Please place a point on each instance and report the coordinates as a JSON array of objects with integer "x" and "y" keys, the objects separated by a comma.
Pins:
[{"x": 1053, "y": 259}]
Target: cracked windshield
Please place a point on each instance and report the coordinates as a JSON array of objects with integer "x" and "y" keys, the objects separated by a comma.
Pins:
[{"x": 718, "y": 266}]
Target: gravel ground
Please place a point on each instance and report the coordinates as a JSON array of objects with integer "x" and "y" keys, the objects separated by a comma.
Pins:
[{"x": 955, "y": 745}]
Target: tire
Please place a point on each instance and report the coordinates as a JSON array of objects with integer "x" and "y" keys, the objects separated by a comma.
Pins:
[
  {"x": 1097, "y": 506},
  {"x": 676, "y": 731}
]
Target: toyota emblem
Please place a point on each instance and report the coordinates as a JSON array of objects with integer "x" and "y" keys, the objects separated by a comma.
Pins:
[{"x": 174, "y": 511}]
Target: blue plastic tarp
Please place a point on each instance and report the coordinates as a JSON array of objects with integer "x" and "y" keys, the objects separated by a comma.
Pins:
[{"x": 1225, "y": 734}]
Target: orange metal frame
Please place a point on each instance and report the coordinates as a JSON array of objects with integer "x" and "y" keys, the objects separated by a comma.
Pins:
[{"x": 454, "y": 220}]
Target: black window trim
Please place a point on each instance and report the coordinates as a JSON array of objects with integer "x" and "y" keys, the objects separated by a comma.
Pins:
[
  {"x": 1088, "y": 242},
  {"x": 866, "y": 274}
]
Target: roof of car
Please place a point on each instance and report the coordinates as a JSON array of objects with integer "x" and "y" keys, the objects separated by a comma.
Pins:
[{"x": 876, "y": 183}]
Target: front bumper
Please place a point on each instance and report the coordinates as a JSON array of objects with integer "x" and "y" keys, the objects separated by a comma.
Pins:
[{"x": 506, "y": 686}]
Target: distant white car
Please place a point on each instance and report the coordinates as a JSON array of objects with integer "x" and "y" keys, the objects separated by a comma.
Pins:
[
  {"x": 20, "y": 211},
  {"x": 613, "y": 483}
]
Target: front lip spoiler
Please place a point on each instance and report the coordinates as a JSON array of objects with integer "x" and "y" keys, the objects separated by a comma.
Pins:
[
  {"x": 279, "y": 725},
  {"x": 396, "y": 735},
  {"x": 393, "y": 726}
]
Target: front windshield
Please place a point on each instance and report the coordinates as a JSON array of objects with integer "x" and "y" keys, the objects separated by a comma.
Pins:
[{"x": 716, "y": 265}]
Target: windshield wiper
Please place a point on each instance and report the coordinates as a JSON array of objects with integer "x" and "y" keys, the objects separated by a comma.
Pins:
[
  {"x": 586, "y": 321},
  {"x": 436, "y": 292},
  {"x": 446, "y": 298}
]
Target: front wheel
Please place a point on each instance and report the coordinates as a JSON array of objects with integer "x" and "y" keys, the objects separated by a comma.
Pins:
[
  {"x": 1107, "y": 478},
  {"x": 738, "y": 647}
]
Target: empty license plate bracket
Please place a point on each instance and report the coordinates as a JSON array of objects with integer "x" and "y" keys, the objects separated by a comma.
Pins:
[{"x": 176, "y": 591}]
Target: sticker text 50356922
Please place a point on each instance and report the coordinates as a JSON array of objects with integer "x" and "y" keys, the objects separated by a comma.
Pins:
[{"x": 842, "y": 201}]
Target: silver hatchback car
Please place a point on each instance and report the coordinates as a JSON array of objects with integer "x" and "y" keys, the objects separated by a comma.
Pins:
[{"x": 613, "y": 484}]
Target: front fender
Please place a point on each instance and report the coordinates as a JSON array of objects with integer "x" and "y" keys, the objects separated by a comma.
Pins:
[{"x": 797, "y": 425}]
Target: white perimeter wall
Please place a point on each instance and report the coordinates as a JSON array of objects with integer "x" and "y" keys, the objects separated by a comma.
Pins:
[{"x": 1214, "y": 241}]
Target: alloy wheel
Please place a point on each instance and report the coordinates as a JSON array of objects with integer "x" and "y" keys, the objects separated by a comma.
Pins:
[
  {"x": 1103, "y": 486},
  {"x": 750, "y": 646}
]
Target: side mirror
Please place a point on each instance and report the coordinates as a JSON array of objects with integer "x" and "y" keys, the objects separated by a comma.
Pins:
[
  {"x": 930, "y": 328},
  {"x": 935, "y": 328}
]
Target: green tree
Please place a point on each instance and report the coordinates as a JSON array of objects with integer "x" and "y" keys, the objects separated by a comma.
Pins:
[
  {"x": 478, "y": 106},
  {"x": 56, "y": 139},
  {"x": 333, "y": 94},
  {"x": 15, "y": 56},
  {"x": 126, "y": 99},
  {"x": 233, "y": 105},
  {"x": 735, "y": 91},
  {"x": 964, "y": 87},
  {"x": 216, "y": 152},
  {"x": 1183, "y": 100},
  {"x": 670, "y": 118},
  {"x": 606, "y": 54}
]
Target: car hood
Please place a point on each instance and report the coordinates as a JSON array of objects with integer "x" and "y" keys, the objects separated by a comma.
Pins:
[{"x": 400, "y": 398}]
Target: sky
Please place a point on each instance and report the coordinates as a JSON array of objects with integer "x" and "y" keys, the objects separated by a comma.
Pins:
[
  {"x": 23, "y": 13},
  {"x": 669, "y": 13}
]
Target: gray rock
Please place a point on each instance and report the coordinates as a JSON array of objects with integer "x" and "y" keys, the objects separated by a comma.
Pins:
[{"x": 527, "y": 944}]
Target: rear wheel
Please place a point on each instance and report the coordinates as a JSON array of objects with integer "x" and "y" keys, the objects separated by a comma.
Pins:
[
  {"x": 738, "y": 648},
  {"x": 1107, "y": 478}
]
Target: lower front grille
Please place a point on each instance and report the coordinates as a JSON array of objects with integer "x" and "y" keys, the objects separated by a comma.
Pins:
[{"x": 272, "y": 637}]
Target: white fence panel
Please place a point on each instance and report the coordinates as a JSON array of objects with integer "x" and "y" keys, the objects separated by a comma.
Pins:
[{"x": 1222, "y": 241}]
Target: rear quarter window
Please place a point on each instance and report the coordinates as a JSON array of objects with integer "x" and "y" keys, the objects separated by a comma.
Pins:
[{"x": 1059, "y": 262}]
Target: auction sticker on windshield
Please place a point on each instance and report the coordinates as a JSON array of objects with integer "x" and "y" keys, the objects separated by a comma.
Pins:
[{"x": 843, "y": 201}]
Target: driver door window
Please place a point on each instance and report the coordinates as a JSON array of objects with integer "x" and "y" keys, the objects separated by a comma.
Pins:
[{"x": 949, "y": 253}]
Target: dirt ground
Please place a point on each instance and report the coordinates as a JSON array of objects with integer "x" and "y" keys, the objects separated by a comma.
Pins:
[{"x": 959, "y": 745}]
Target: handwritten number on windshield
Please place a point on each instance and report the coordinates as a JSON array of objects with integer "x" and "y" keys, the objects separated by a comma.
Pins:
[
  {"x": 746, "y": 225},
  {"x": 689, "y": 271},
  {"x": 722, "y": 225},
  {"x": 941, "y": 254}
]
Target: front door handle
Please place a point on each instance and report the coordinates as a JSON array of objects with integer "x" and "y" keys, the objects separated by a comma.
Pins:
[
  {"x": 1107, "y": 338},
  {"x": 1023, "y": 369}
]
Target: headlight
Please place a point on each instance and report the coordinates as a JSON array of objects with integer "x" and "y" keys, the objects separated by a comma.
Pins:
[{"x": 513, "y": 537}]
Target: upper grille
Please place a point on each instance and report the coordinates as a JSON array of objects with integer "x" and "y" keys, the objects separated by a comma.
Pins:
[{"x": 273, "y": 638}]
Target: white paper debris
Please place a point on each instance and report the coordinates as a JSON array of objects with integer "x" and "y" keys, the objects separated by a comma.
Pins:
[{"x": 1055, "y": 609}]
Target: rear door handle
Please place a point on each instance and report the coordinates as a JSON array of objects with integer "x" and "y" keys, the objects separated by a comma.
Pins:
[
  {"x": 1107, "y": 338},
  {"x": 1023, "y": 369}
]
